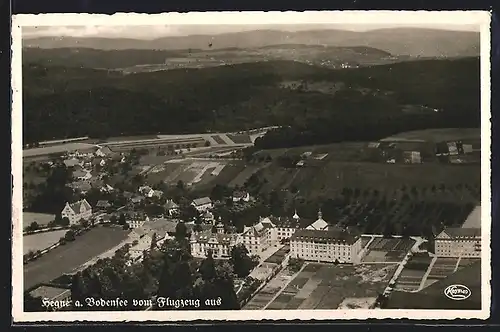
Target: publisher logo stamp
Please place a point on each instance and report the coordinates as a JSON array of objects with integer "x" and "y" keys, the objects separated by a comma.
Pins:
[{"x": 457, "y": 292}]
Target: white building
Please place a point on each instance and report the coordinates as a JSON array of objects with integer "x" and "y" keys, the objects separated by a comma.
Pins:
[
  {"x": 171, "y": 208},
  {"x": 319, "y": 224},
  {"x": 77, "y": 211},
  {"x": 146, "y": 191},
  {"x": 241, "y": 196},
  {"x": 260, "y": 236},
  {"x": 325, "y": 246},
  {"x": 136, "y": 221},
  {"x": 202, "y": 204},
  {"x": 286, "y": 229},
  {"x": 458, "y": 242},
  {"x": 219, "y": 243}
]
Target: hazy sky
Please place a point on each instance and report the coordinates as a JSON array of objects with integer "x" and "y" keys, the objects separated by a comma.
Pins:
[{"x": 156, "y": 31}]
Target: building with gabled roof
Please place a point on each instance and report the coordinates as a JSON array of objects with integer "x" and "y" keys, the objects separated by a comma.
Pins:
[
  {"x": 77, "y": 211},
  {"x": 320, "y": 224},
  {"x": 171, "y": 208},
  {"x": 202, "y": 204},
  {"x": 458, "y": 242},
  {"x": 219, "y": 243}
]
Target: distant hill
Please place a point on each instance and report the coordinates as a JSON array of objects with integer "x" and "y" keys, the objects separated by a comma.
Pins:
[
  {"x": 136, "y": 60},
  {"x": 397, "y": 41},
  {"x": 70, "y": 102}
]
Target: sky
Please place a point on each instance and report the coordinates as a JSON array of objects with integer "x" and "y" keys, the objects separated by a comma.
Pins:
[{"x": 158, "y": 31}]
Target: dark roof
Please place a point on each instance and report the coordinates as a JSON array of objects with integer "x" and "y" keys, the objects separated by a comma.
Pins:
[
  {"x": 202, "y": 201},
  {"x": 103, "y": 203},
  {"x": 239, "y": 194},
  {"x": 323, "y": 236},
  {"x": 208, "y": 236},
  {"x": 171, "y": 205},
  {"x": 463, "y": 233}
]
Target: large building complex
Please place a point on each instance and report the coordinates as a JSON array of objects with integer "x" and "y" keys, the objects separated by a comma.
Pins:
[
  {"x": 325, "y": 246},
  {"x": 459, "y": 242},
  {"x": 219, "y": 243}
]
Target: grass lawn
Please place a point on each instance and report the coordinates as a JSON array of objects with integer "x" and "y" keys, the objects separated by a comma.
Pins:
[
  {"x": 66, "y": 258},
  {"x": 41, "y": 241},
  {"x": 40, "y": 218},
  {"x": 325, "y": 286}
]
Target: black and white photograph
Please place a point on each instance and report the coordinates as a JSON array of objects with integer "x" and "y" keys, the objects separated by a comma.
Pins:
[{"x": 236, "y": 166}]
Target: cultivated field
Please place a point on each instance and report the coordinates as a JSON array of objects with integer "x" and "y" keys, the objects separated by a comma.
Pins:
[
  {"x": 413, "y": 272},
  {"x": 40, "y": 218},
  {"x": 262, "y": 298},
  {"x": 62, "y": 148},
  {"x": 443, "y": 268},
  {"x": 66, "y": 258},
  {"x": 387, "y": 250},
  {"x": 438, "y": 135},
  {"x": 323, "y": 286},
  {"x": 41, "y": 241}
]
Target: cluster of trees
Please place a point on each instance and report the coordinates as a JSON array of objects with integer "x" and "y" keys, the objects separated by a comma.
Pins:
[
  {"x": 53, "y": 193},
  {"x": 239, "y": 97},
  {"x": 169, "y": 272}
]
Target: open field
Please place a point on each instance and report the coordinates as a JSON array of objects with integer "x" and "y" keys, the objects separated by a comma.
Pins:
[
  {"x": 41, "y": 241},
  {"x": 432, "y": 297},
  {"x": 328, "y": 178},
  {"x": 218, "y": 140},
  {"x": 240, "y": 138},
  {"x": 413, "y": 272},
  {"x": 62, "y": 148},
  {"x": 387, "y": 250},
  {"x": 245, "y": 174},
  {"x": 443, "y": 268},
  {"x": 40, "y": 218},
  {"x": 324, "y": 286},
  {"x": 438, "y": 135},
  {"x": 66, "y": 258}
]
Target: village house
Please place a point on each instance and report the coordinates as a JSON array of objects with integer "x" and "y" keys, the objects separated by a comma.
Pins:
[
  {"x": 103, "y": 151},
  {"x": 241, "y": 196},
  {"x": 71, "y": 162},
  {"x": 136, "y": 220},
  {"x": 77, "y": 211},
  {"x": 147, "y": 191},
  {"x": 103, "y": 205},
  {"x": 81, "y": 186},
  {"x": 458, "y": 242},
  {"x": 171, "y": 208},
  {"x": 325, "y": 246},
  {"x": 82, "y": 175},
  {"x": 202, "y": 204},
  {"x": 219, "y": 243},
  {"x": 106, "y": 188}
]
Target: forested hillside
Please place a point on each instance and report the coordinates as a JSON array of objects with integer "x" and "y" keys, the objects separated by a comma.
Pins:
[{"x": 68, "y": 102}]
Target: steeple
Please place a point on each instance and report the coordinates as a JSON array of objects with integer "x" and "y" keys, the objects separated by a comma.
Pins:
[
  {"x": 320, "y": 214},
  {"x": 296, "y": 216},
  {"x": 220, "y": 226}
]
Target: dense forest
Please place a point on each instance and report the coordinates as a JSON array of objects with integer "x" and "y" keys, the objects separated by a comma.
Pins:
[{"x": 67, "y": 102}]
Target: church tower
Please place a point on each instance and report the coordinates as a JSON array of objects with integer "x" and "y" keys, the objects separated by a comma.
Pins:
[
  {"x": 220, "y": 227},
  {"x": 296, "y": 216},
  {"x": 320, "y": 214}
]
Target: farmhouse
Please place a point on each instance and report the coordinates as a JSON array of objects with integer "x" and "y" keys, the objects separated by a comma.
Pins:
[
  {"x": 325, "y": 246},
  {"x": 171, "y": 208},
  {"x": 147, "y": 191},
  {"x": 103, "y": 151},
  {"x": 241, "y": 196},
  {"x": 136, "y": 220},
  {"x": 103, "y": 205},
  {"x": 219, "y": 243},
  {"x": 458, "y": 242},
  {"x": 202, "y": 204},
  {"x": 77, "y": 211}
]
